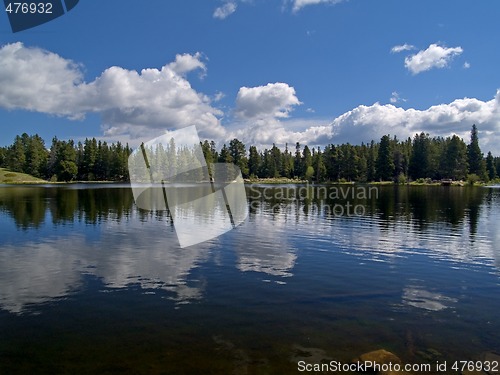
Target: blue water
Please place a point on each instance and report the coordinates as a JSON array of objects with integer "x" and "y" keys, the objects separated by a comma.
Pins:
[{"x": 91, "y": 284}]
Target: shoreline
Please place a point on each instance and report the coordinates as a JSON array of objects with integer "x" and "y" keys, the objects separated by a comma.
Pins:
[{"x": 270, "y": 181}]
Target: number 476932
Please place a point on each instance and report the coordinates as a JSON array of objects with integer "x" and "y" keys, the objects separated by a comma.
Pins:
[{"x": 25, "y": 8}]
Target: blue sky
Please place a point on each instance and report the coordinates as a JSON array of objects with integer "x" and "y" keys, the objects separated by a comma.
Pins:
[{"x": 265, "y": 71}]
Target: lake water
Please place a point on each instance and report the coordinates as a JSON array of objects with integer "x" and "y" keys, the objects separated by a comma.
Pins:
[{"x": 91, "y": 284}]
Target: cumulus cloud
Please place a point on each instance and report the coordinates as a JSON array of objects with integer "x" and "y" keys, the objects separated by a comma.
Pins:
[
  {"x": 275, "y": 100},
  {"x": 186, "y": 63},
  {"x": 402, "y": 47},
  {"x": 435, "y": 56},
  {"x": 225, "y": 10},
  {"x": 457, "y": 117},
  {"x": 365, "y": 123},
  {"x": 129, "y": 102},
  {"x": 299, "y": 4},
  {"x": 37, "y": 80},
  {"x": 466, "y": 65}
]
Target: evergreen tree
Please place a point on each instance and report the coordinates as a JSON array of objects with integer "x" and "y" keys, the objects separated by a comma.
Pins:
[
  {"x": 297, "y": 162},
  {"x": 475, "y": 156},
  {"x": 419, "y": 160},
  {"x": 89, "y": 159},
  {"x": 490, "y": 167},
  {"x": 65, "y": 163},
  {"x": 319, "y": 166},
  {"x": 3, "y": 157},
  {"x": 287, "y": 163},
  {"x": 105, "y": 168},
  {"x": 306, "y": 161},
  {"x": 385, "y": 160},
  {"x": 371, "y": 172},
  {"x": 497, "y": 165},
  {"x": 238, "y": 155},
  {"x": 276, "y": 162},
  {"x": 253, "y": 162},
  {"x": 454, "y": 161},
  {"x": 16, "y": 155},
  {"x": 51, "y": 172},
  {"x": 36, "y": 156},
  {"x": 225, "y": 155}
]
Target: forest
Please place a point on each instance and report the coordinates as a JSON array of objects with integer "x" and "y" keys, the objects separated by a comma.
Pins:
[{"x": 422, "y": 158}]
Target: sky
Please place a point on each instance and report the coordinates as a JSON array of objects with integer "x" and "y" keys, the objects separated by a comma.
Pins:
[{"x": 263, "y": 71}]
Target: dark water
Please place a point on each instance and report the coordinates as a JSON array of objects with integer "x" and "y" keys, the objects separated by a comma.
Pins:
[{"x": 91, "y": 284}]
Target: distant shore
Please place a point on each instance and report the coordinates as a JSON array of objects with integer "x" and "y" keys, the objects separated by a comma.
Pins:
[{"x": 14, "y": 178}]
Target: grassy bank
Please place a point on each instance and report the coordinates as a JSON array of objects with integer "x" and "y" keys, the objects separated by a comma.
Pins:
[{"x": 9, "y": 177}]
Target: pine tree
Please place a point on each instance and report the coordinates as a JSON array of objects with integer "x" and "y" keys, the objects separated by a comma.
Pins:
[
  {"x": 16, "y": 155},
  {"x": 3, "y": 156},
  {"x": 253, "y": 162},
  {"x": 297, "y": 162},
  {"x": 238, "y": 155},
  {"x": 319, "y": 166},
  {"x": 419, "y": 160},
  {"x": 385, "y": 160},
  {"x": 490, "y": 167},
  {"x": 306, "y": 161},
  {"x": 36, "y": 156},
  {"x": 454, "y": 161},
  {"x": 371, "y": 173},
  {"x": 475, "y": 156}
]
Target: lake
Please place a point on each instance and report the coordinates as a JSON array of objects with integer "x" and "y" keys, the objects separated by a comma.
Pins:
[{"x": 90, "y": 284}]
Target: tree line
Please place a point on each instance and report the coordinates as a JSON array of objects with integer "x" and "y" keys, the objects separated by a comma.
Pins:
[
  {"x": 66, "y": 160},
  {"x": 419, "y": 158}
]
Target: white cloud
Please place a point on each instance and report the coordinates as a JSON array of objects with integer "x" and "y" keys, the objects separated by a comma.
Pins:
[
  {"x": 402, "y": 47},
  {"x": 275, "y": 100},
  {"x": 225, "y": 10},
  {"x": 299, "y": 4},
  {"x": 36, "y": 80},
  {"x": 366, "y": 123},
  {"x": 130, "y": 103},
  {"x": 435, "y": 56},
  {"x": 466, "y": 65},
  {"x": 186, "y": 63},
  {"x": 396, "y": 97},
  {"x": 136, "y": 105}
]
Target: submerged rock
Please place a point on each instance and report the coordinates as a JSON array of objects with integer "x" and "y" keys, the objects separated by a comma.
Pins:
[
  {"x": 380, "y": 356},
  {"x": 386, "y": 363}
]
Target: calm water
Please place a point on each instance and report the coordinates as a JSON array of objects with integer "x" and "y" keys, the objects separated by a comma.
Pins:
[{"x": 91, "y": 284}]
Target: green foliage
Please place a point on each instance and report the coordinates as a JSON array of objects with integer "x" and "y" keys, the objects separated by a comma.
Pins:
[
  {"x": 253, "y": 161},
  {"x": 475, "y": 158},
  {"x": 67, "y": 170},
  {"x": 472, "y": 178},
  {"x": 420, "y": 159},
  {"x": 454, "y": 161},
  {"x": 309, "y": 173},
  {"x": 490, "y": 167},
  {"x": 402, "y": 179},
  {"x": 238, "y": 155},
  {"x": 385, "y": 160},
  {"x": 3, "y": 156}
]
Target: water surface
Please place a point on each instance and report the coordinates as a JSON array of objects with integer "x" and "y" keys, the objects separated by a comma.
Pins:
[{"x": 91, "y": 284}]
